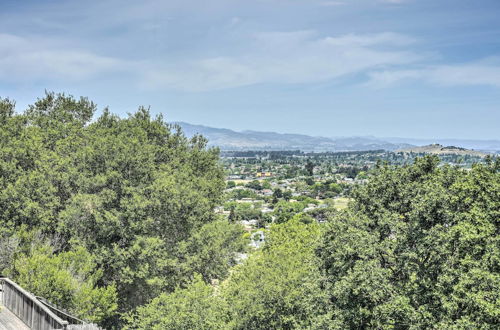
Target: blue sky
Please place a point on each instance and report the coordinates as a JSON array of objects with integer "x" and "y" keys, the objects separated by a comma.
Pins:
[{"x": 408, "y": 68}]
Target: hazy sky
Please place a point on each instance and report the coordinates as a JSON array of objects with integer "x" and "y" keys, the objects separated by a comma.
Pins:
[{"x": 410, "y": 68}]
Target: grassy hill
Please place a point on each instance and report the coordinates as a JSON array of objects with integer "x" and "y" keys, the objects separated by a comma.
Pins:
[{"x": 438, "y": 149}]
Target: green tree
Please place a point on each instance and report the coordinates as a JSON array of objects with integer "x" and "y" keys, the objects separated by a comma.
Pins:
[
  {"x": 284, "y": 211},
  {"x": 67, "y": 279},
  {"x": 242, "y": 193},
  {"x": 195, "y": 307},
  {"x": 419, "y": 249},
  {"x": 212, "y": 250},
  {"x": 277, "y": 194},
  {"x": 310, "y": 168},
  {"x": 335, "y": 188},
  {"x": 131, "y": 191},
  {"x": 266, "y": 184},
  {"x": 278, "y": 287},
  {"x": 7, "y": 108},
  {"x": 9, "y": 244},
  {"x": 255, "y": 184},
  {"x": 287, "y": 195}
]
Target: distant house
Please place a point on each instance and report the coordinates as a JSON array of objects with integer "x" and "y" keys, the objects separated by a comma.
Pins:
[
  {"x": 267, "y": 192},
  {"x": 258, "y": 239},
  {"x": 263, "y": 174},
  {"x": 249, "y": 223},
  {"x": 310, "y": 207},
  {"x": 266, "y": 209},
  {"x": 247, "y": 200}
]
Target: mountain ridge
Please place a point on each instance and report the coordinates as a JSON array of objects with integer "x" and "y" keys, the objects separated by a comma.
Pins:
[{"x": 228, "y": 139}]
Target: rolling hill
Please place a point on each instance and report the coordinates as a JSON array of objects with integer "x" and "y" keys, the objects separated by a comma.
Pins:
[
  {"x": 438, "y": 149},
  {"x": 227, "y": 139},
  {"x": 231, "y": 140}
]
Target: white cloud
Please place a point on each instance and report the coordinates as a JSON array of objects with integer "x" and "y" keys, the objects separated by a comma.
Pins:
[
  {"x": 467, "y": 74},
  {"x": 484, "y": 72},
  {"x": 394, "y": 1},
  {"x": 379, "y": 39},
  {"x": 381, "y": 79},
  {"x": 235, "y": 20},
  {"x": 286, "y": 58},
  {"x": 331, "y": 3},
  {"x": 34, "y": 59},
  {"x": 275, "y": 57}
]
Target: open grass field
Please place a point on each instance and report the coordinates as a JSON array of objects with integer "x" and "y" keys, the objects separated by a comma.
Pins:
[
  {"x": 241, "y": 182},
  {"x": 341, "y": 203}
]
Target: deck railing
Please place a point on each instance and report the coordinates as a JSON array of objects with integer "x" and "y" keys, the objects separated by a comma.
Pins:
[
  {"x": 28, "y": 308},
  {"x": 74, "y": 323}
]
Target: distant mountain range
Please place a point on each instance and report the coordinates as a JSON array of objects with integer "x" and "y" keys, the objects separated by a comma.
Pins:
[{"x": 227, "y": 139}]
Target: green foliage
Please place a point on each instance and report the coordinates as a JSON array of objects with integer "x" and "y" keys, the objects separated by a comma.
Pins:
[
  {"x": 255, "y": 184},
  {"x": 266, "y": 184},
  {"x": 125, "y": 210},
  {"x": 242, "y": 193},
  {"x": 195, "y": 307},
  {"x": 419, "y": 249},
  {"x": 307, "y": 200},
  {"x": 130, "y": 191},
  {"x": 67, "y": 279},
  {"x": 326, "y": 189},
  {"x": 284, "y": 211},
  {"x": 362, "y": 175},
  {"x": 321, "y": 214},
  {"x": 309, "y": 168},
  {"x": 212, "y": 250},
  {"x": 9, "y": 243},
  {"x": 278, "y": 286},
  {"x": 243, "y": 211},
  {"x": 7, "y": 108}
]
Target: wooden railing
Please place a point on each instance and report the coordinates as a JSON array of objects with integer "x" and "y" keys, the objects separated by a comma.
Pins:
[
  {"x": 28, "y": 308},
  {"x": 74, "y": 323},
  {"x": 36, "y": 312}
]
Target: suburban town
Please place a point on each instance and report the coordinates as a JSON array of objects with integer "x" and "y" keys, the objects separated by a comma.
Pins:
[{"x": 272, "y": 187}]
